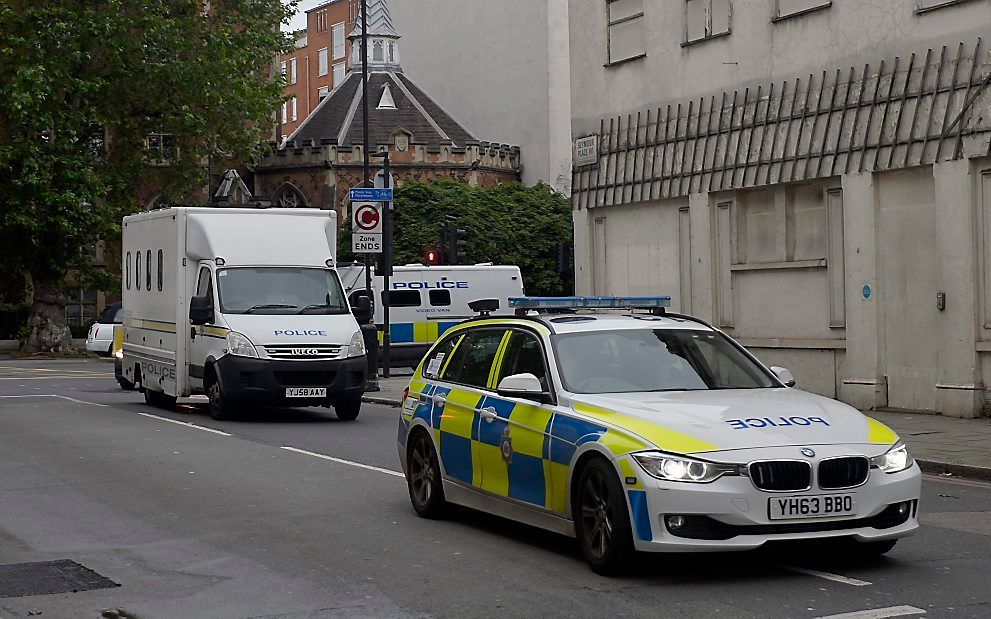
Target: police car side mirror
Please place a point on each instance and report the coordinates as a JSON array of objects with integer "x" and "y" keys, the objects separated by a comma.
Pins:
[
  {"x": 523, "y": 386},
  {"x": 784, "y": 375},
  {"x": 200, "y": 310}
]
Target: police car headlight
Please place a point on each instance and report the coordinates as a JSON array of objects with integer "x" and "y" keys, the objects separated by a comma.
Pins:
[
  {"x": 894, "y": 460},
  {"x": 239, "y": 344},
  {"x": 357, "y": 346},
  {"x": 680, "y": 468}
]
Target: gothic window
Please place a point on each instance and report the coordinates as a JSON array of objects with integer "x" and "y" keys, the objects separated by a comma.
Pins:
[
  {"x": 289, "y": 197},
  {"x": 392, "y": 52},
  {"x": 377, "y": 52}
]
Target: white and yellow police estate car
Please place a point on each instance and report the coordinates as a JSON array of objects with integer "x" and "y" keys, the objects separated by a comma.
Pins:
[{"x": 643, "y": 431}]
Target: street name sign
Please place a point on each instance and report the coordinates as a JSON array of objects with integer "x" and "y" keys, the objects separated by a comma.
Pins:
[
  {"x": 370, "y": 194},
  {"x": 586, "y": 151}
]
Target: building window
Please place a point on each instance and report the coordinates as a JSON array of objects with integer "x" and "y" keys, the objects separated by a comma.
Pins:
[
  {"x": 80, "y": 307},
  {"x": 322, "y": 21},
  {"x": 781, "y": 224},
  {"x": 392, "y": 52},
  {"x": 337, "y": 40},
  {"x": 292, "y": 71},
  {"x": 705, "y": 19},
  {"x": 282, "y": 68},
  {"x": 161, "y": 146},
  {"x": 338, "y": 74},
  {"x": 923, "y": 6},
  {"x": 378, "y": 55},
  {"x": 787, "y": 8},
  {"x": 293, "y": 109},
  {"x": 285, "y": 112},
  {"x": 323, "y": 91},
  {"x": 322, "y": 61},
  {"x": 625, "y": 30}
]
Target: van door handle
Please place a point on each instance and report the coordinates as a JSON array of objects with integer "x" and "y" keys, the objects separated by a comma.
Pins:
[
  {"x": 440, "y": 400},
  {"x": 488, "y": 414}
]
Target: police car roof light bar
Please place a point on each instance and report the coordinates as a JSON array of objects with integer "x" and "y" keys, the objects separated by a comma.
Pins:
[{"x": 657, "y": 304}]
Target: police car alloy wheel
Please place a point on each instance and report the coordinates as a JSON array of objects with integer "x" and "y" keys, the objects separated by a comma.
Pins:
[
  {"x": 602, "y": 523},
  {"x": 423, "y": 477}
]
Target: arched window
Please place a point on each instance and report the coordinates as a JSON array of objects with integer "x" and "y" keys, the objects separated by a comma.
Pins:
[
  {"x": 378, "y": 54},
  {"x": 392, "y": 52},
  {"x": 289, "y": 197}
]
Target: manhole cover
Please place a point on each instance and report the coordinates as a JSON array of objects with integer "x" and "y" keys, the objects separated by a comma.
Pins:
[{"x": 48, "y": 577}]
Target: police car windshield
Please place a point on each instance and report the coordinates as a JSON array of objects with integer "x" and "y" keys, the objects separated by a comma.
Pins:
[
  {"x": 280, "y": 290},
  {"x": 637, "y": 360}
]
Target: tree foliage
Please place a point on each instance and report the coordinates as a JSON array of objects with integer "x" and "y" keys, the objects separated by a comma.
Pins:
[
  {"x": 506, "y": 224},
  {"x": 83, "y": 85}
]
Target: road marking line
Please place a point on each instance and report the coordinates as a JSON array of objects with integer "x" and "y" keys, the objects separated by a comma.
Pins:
[
  {"x": 878, "y": 613},
  {"x": 956, "y": 481},
  {"x": 53, "y": 395},
  {"x": 49, "y": 377},
  {"x": 183, "y": 423},
  {"x": 828, "y": 576},
  {"x": 347, "y": 462}
]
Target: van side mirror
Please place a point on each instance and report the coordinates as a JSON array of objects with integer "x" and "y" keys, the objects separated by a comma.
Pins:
[
  {"x": 523, "y": 386},
  {"x": 784, "y": 375},
  {"x": 362, "y": 309},
  {"x": 200, "y": 310}
]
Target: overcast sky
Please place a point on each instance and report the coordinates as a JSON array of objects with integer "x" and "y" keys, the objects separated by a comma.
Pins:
[{"x": 299, "y": 22}]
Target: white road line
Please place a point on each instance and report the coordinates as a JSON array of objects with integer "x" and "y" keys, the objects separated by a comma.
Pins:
[
  {"x": 52, "y": 395},
  {"x": 347, "y": 462},
  {"x": 829, "y": 576},
  {"x": 956, "y": 481},
  {"x": 879, "y": 613},
  {"x": 183, "y": 423}
]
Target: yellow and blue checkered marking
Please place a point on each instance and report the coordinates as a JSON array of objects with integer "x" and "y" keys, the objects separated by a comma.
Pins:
[{"x": 425, "y": 332}]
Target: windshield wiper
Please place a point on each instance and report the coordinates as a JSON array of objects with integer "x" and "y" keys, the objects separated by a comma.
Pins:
[
  {"x": 268, "y": 306},
  {"x": 337, "y": 310}
]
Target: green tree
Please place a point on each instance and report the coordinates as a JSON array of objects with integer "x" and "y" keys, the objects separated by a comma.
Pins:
[
  {"x": 506, "y": 224},
  {"x": 83, "y": 84}
]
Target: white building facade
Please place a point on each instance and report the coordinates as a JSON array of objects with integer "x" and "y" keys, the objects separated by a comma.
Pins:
[
  {"x": 813, "y": 177},
  {"x": 501, "y": 68}
]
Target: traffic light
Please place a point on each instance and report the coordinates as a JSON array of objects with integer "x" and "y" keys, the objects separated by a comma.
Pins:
[
  {"x": 455, "y": 243},
  {"x": 431, "y": 256}
]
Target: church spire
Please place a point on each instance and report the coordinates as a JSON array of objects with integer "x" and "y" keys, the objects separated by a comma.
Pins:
[{"x": 383, "y": 39}]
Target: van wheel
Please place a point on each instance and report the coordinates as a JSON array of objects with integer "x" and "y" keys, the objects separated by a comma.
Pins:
[
  {"x": 220, "y": 406},
  {"x": 159, "y": 399},
  {"x": 125, "y": 384},
  {"x": 347, "y": 410}
]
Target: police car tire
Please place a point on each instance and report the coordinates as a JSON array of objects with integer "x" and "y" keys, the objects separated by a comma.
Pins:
[
  {"x": 347, "y": 410},
  {"x": 597, "y": 481},
  {"x": 428, "y": 502}
]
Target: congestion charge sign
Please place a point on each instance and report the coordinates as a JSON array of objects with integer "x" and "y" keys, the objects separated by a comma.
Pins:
[{"x": 366, "y": 228}]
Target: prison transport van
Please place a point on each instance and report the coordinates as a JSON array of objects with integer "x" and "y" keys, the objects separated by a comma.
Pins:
[
  {"x": 425, "y": 300},
  {"x": 243, "y": 305}
]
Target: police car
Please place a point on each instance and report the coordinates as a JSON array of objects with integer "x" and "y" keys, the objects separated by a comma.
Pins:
[{"x": 643, "y": 431}]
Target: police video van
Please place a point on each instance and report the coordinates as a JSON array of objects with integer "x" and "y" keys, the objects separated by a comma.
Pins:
[
  {"x": 425, "y": 301},
  {"x": 242, "y": 305}
]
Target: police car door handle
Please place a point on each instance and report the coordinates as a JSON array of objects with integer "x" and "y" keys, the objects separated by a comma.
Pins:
[
  {"x": 488, "y": 414},
  {"x": 440, "y": 400}
]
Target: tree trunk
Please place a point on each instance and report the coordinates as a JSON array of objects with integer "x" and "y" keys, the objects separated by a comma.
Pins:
[{"x": 47, "y": 331}]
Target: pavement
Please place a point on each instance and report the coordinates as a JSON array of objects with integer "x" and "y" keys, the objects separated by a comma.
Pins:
[{"x": 941, "y": 445}]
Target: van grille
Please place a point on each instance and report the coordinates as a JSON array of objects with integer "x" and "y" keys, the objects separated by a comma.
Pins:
[
  {"x": 781, "y": 475},
  {"x": 847, "y": 472},
  {"x": 304, "y": 352}
]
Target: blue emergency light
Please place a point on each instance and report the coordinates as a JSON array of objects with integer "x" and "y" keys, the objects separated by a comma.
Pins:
[{"x": 527, "y": 303}]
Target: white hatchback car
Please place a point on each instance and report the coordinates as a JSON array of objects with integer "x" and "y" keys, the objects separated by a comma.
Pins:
[
  {"x": 101, "y": 335},
  {"x": 644, "y": 431}
]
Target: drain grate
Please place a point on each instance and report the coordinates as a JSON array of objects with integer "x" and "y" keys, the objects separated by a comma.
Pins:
[{"x": 48, "y": 577}]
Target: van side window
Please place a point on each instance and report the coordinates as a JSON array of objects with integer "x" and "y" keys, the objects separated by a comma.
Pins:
[
  {"x": 204, "y": 286},
  {"x": 137, "y": 270},
  {"x": 435, "y": 363},
  {"x": 403, "y": 298},
  {"x": 440, "y": 298},
  {"x": 473, "y": 358},
  {"x": 161, "y": 259},
  {"x": 524, "y": 355},
  {"x": 148, "y": 269},
  {"x": 127, "y": 270}
]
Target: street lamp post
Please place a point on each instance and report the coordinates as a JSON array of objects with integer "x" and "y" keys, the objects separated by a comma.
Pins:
[
  {"x": 386, "y": 263},
  {"x": 366, "y": 167}
]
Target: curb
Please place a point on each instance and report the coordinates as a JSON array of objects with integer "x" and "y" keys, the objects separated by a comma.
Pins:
[
  {"x": 962, "y": 470},
  {"x": 371, "y": 399}
]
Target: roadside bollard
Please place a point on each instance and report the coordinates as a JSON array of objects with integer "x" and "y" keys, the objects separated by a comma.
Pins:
[{"x": 370, "y": 334}]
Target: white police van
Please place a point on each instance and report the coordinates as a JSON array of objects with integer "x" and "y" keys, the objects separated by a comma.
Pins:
[
  {"x": 243, "y": 305},
  {"x": 425, "y": 301}
]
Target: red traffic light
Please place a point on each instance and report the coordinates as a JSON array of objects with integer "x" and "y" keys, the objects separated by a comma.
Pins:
[{"x": 431, "y": 256}]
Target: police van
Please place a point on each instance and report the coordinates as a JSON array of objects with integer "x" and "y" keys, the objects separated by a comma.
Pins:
[
  {"x": 425, "y": 301},
  {"x": 242, "y": 305}
]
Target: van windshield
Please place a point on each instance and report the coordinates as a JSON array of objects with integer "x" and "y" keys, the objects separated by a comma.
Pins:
[
  {"x": 637, "y": 360},
  {"x": 280, "y": 290}
]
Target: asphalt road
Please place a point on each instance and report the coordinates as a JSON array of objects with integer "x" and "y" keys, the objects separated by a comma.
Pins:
[{"x": 220, "y": 519}]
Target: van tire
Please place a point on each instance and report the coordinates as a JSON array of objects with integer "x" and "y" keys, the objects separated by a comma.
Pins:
[
  {"x": 158, "y": 399},
  {"x": 220, "y": 406},
  {"x": 125, "y": 384},
  {"x": 347, "y": 410}
]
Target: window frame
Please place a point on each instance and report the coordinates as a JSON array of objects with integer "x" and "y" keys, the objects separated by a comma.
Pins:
[
  {"x": 148, "y": 270},
  {"x": 609, "y": 26},
  {"x": 432, "y": 293},
  {"x": 543, "y": 352},
  {"x": 334, "y": 42},
  {"x": 343, "y": 68},
  {"x": 161, "y": 268},
  {"x": 322, "y": 95},
  {"x": 708, "y": 24},
  {"x": 433, "y": 351},
  {"x": 292, "y": 70},
  {"x": 127, "y": 271},
  {"x": 323, "y": 62},
  {"x": 392, "y": 292},
  {"x": 285, "y": 112},
  {"x": 293, "y": 109},
  {"x": 471, "y": 332},
  {"x": 137, "y": 270}
]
